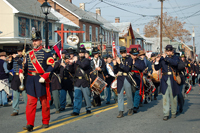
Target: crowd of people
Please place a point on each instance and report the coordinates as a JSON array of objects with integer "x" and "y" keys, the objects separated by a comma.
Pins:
[{"x": 83, "y": 78}]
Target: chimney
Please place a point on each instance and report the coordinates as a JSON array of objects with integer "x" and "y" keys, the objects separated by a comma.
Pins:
[
  {"x": 138, "y": 30},
  {"x": 117, "y": 20},
  {"x": 70, "y": 1},
  {"x": 82, "y": 6},
  {"x": 98, "y": 11}
]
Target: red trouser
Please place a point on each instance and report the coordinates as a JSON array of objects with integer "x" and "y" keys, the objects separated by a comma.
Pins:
[{"x": 31, "y": 110}]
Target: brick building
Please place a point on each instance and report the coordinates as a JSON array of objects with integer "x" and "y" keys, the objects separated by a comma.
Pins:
[{"x": 80, "y": 17}]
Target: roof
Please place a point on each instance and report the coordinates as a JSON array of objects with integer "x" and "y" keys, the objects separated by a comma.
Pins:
[
  {"x": 106, "y": 24},
  {"x": 62, "y": 19},
  {"x": 122, "y": 27},
  {"x": 187, "y": 46},
  {"x": 76, "y": 11},
  {"x": 147, "y": 40},
  {"x": 137, "y": 35},
  {"x": 29, "y": 7}
]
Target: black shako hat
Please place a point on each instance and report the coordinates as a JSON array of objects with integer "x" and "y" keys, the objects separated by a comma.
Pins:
[
  {"x": 134, "y": 51},
  {"x": 122, "y": 49},
  {"x": 36, "y": 36},
  {"x": 95, "y": 50},
  {"x": 81, "y": 49},
  {"x": 169, "y": 48}
]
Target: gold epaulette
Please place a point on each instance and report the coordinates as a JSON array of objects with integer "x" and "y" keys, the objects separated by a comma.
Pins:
[
  {"x": 28, "y": 51},
  {"x": 46, "y": 50}
]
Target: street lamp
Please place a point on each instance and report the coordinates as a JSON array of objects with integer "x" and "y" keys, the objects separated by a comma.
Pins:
[
  {"x": 46, "y": 8},
  {"x": 101, "y": 37}
]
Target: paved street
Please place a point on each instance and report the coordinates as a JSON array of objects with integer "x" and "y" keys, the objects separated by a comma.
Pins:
[{"x": 103, "y": 119}]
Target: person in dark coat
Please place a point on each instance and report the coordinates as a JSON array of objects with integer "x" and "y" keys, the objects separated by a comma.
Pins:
[
  {"x": 98, "y": 66},
  {"x": 81, "y": 69},
  {"x": 66, "y": 82},
  {"x": 169, "y": 87},
  {"x": 137, "y": 68},
  {"x": 182, "y": 73},
  {"x": 15, "y": 63},
  {"x": 56, "y": 85},
  {"x": 122, "y": 66},
  {"x": 39, "y": 64},
  {"x": 147, "y": 72}
]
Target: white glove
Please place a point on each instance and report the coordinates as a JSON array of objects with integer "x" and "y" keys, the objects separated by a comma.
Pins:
[
  {"x": 41, "y": 80},
  {"x": 21, "y": 76}
]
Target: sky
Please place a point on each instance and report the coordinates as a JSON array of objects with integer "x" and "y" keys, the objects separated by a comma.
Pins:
[{"x": 140, "y": 12}]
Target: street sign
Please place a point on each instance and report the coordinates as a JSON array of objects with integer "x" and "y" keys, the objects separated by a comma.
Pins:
[{"x": 72, "y": 40}]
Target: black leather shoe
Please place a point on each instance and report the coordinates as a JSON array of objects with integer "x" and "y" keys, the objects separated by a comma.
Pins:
[
  {"x": 145, "y": 102},
  {"x": 14, "y": 114},
  {"x": 108, "y": 103},
  {"x": 74, "y": 114},
  {"x": 135, "y": 109},
  {"x": 61, "y": 109},
  {"x": 45, "y": 125},
  {"x": 28, "y": 127},
  {"x": 88, "y": 112}
]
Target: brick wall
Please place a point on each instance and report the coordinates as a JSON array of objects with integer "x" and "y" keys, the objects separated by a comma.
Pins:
[{"x": 75, "y": 20}]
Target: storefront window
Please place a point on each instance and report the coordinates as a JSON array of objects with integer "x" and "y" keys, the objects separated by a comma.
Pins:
[{"x": 24, "y": 27}]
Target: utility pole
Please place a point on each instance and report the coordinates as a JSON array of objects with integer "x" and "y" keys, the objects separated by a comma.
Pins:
[
  {"x": 193, "y": 36},
  {"x": 161, "y": 21}
]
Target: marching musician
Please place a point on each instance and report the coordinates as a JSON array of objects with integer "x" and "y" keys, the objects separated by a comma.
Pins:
[
  {"x": 169, "y": 87},
  {"x": 148, "y": 71},
  {"x": 190, "y": 66},
  {"x": 56, "y": 84},
  {"x": 81, "y": 69},
  {"x": 39, "y": 64},
  {"x": 110, "y": 76},
  {"x": 66, "y": 82},
  {"x": 182, "y": 73},
  {"x": 156, "y": 81},
  {"x": 98, "y": 67},
  {"x": 138, "y": 66},
  {"x": 121, "y": 68},
  {"x": 4, "y": 88},
  {"x": 15, "y": 63}
]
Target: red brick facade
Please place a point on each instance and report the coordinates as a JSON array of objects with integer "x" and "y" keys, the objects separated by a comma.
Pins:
[{"x": 76, "y": 20}]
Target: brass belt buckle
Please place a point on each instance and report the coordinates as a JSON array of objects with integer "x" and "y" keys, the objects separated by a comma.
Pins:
[
  {"x": 169, "y": 73},
  {"x": 16, "y": 73},
  {"x": 125, "y": 74},
  {"x": 65, "y": 77},
  {"x": 34, "y": 74},
  {"x": 79, "y": 77}
]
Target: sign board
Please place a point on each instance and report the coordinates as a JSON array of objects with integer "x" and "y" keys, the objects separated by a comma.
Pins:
[
  {"x": 88, "y": 47},
  {"x": 73, "y": 39},
  {"x": 103, "y": 47}
]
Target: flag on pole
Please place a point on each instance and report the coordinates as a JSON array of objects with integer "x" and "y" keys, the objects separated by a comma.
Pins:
[
  {"x": 57, "y": 47},
  {"x": 114, "y": 51}
]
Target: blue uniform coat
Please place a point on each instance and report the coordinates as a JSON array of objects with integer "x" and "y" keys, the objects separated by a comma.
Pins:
[{"x": 166, "y": 64}]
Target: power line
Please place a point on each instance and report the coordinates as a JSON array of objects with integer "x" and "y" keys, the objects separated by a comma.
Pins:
[{"x": 128, "y": 10}]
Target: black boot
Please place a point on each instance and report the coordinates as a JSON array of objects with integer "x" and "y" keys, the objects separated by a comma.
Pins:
[
  {"x": 135, "y": 109},
  {"x": 28, "y": 127}
]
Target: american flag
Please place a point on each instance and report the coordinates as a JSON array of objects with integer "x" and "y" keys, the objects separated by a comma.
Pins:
[{"x": 57, "y": 47}]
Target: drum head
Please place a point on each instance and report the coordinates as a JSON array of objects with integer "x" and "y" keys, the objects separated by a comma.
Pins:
[{"x": 114, "y": 84}]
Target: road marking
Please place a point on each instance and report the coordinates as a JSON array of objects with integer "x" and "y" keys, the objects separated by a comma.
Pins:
[{"x": 81, "y": 116}]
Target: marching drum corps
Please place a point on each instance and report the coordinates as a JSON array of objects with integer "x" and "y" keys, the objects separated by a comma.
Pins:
[{"x": 79, "y": 78}]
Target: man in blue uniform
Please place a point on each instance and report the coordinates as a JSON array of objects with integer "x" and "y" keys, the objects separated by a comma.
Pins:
[
  {"x": 81, "y": 69},
  {"x": 15, "y": 63},
  {"x": 169, "y": 87},
  {"x": 137, "y": 68},
  {"x": 39, "y": 64},
  {"x": 122, "y": 67}
]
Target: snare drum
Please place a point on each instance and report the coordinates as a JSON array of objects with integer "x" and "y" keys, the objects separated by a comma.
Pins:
[
  {"x": 98, "y": 85},
  {"x": 114, "y": 86}
]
